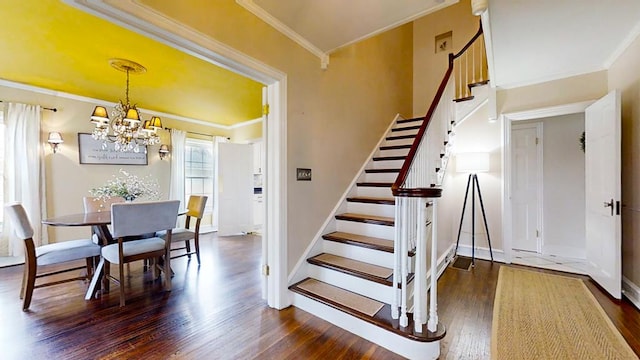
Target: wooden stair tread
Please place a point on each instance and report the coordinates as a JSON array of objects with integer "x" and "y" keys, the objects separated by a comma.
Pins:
[
  {"x": 369, "y": 219},
  {"x": 379, "y": 171},
  {"x": 375, "y": 273},
  {"x": 375, "y": 184},
  {"x": 404, "y": 121},
  {"x": 463, "y": 99},
  {"x": 372, "y": 200},
  {"x": 346, "y": 298},
  {"x": 389, "y": 158},
  {"x": 400, "y": 137},
  {"x": 360, "y": 240},
  {"x": 406, "y": 128},
  {"x": 381, "y": 319}
]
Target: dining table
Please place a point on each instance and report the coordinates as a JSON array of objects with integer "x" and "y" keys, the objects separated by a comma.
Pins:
[{"x": 99, "y": 222}]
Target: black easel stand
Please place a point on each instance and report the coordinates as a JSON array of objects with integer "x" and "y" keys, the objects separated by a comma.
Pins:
[{"x": 473, "y": 181}]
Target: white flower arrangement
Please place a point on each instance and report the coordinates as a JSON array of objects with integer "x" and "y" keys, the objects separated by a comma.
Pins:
[{"x": 128, "y": 186}]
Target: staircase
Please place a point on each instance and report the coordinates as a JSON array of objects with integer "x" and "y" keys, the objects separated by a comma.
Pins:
[{"x": 360, "y": 272}]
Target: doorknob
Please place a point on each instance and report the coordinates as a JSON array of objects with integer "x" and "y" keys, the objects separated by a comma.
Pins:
[{"x": 609, "y": 204}]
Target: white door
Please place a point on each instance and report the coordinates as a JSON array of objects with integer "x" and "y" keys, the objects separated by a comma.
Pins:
[
  {"x": 602, "y": 171},
  {"x": 235, "y": 188},
  {"x": 525, "y": 187}
]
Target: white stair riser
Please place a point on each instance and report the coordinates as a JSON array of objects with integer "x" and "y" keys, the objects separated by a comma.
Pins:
[
  {"x": 371, "y": 256},
  {"x": 403, "y": 132},
  {"x": 397, "y": 142},
  {"x": 370, "y": 289},
  {"x": 379, "y": 231},
  {"x": 372, "y": 191},
  {"x": 393, "y": 152},
  {"x": 381, "y": 177},
  {"x": 370, "y": 209},
  {"x": 389, "y": 340},
  {"x": 385, "y": 164}
]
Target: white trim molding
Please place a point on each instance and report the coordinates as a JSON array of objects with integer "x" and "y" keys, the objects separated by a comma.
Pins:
[
  {"x": 482, "y": 253},
  {"x": 150, "y": 23},
  {"x": 284, "y": 29},
  {"x": 631, "y": 291}
]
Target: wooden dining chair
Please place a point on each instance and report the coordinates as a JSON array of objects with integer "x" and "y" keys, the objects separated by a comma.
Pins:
[
  {"x": 136, "y": 218},
  {"x": 195, "y": 210},
  {"x": 96, "y": 204},
  {"x": 55, "y": 253}
]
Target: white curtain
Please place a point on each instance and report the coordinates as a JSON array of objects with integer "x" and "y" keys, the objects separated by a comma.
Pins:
[
  {"x": 24, "y": 172},
  {"x": 176, "y": 188},
  {"x": 216, "y": 140}
]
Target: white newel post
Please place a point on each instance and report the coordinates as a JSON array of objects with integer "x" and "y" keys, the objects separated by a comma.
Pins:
[
  {"x": 432, "y": 325},
  {"x": 420, "y": 293},
  {"x": 404, "y": 320},
  {"x": 395, "y": 300}
]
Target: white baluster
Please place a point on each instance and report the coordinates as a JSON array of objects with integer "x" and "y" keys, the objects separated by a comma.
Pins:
[
  {"x": 432, "y": 325},
  {"x": 420, "y": 288}
]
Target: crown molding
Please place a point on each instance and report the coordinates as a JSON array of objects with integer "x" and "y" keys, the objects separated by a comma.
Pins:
[
  {"x": 287, "y": 31},
  {"x": 90, "y": 100}
]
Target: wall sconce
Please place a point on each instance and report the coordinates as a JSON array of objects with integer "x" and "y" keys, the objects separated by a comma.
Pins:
[
  {"x": 163, "y": 151},
  {"x": 54, "y": 140}
]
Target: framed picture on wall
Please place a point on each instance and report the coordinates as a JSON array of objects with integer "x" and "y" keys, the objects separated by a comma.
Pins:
[{"x": 92, "y": 151}]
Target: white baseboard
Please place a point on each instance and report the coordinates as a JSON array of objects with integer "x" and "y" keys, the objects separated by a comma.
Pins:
[
  {"x": 631, "y": 291},
  {"x": 481, "y": 253}
]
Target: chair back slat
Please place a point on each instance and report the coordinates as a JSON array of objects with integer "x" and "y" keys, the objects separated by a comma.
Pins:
[
  {"x": 129, "y": 219},
  {"x": 20, "y": 220},
  {"x": 95, "y": 204},
  {"x": 196, "y": 205}
]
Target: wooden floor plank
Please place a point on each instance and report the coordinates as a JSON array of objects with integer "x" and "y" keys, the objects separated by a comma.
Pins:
[{"x": 215, "y": 311}]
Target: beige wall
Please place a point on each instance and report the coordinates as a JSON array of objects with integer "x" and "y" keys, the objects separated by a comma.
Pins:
[
  {"x": 67, "y": 182},
  {"x": 558, "y": 92},
  {"x": 334, "y": 117},
  {"x": 428, "y": 66},
  {"x": 624, "y": 75}
]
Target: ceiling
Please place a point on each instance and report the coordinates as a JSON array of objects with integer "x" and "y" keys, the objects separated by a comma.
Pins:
[
  {"x": 331, "y": 24},
  {"x": 55, "y": 46},
  {"x": 59, "y": 47},
  {"x": 541, "y": 40}
]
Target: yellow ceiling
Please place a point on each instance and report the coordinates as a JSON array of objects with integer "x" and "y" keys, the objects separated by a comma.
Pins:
[{"x": 49, "y": 44}]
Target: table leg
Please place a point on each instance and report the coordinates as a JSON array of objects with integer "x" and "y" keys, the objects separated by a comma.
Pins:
[{"x": 95, "y": 280}]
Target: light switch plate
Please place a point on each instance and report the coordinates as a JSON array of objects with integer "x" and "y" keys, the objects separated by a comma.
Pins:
[{"x": 303, "y": 174}]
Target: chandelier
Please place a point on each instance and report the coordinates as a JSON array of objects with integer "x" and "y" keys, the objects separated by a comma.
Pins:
[{"x": 129, "y": 133}]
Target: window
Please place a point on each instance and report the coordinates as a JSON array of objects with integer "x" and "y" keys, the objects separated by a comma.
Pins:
[{"x": 199, "y": 173}]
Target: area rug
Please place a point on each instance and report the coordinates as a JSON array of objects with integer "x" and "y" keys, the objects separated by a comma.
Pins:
[{"x": 544, "y": 316}]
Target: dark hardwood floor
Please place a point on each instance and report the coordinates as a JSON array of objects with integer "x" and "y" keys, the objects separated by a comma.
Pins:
[{"x": 215, "y": 312}]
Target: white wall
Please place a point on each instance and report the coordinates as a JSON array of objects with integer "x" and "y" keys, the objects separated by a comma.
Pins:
[
  {"x": 564, "y": 187},
  {"x": 477, "y": 134}
]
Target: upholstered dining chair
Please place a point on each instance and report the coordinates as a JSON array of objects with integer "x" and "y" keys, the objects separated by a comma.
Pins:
[
  {"x": 195, "y": 210},
  {"x": 55, "y": 253},
  {"x": 131, "y": 219}
]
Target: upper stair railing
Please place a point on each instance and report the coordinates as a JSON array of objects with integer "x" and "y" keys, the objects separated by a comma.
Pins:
[{"x": 417, "y": 189}]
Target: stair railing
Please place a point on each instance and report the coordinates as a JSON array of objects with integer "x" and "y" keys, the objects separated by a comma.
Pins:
[{"x": 416, "y": 191}]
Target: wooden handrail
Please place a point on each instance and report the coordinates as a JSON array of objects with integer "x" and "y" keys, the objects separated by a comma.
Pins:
[{"x": 397, "y": 188}]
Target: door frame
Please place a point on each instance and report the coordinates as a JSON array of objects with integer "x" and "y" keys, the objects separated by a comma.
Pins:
[
  {"x": 538, "y": 126},
  {"x": 506, "y": 120},
  {"x": 143, "y": 20}
]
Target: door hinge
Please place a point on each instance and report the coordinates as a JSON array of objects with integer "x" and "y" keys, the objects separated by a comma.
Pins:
[
  {"x": 265, "y": 270},
  {"x": 537, "y": 141},
  {"x": 265, "y": 109},
  {"x": 537, "y": 233}
]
